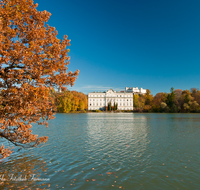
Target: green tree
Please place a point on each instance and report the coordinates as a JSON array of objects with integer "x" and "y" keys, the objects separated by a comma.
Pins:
[
  {"x": 171, "y": 99},
  {"x": 109, "y": 106},
  {"x": 116, "y": 106}
]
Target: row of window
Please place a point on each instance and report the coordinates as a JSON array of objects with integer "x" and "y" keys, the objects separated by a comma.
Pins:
[
  {"x": 108, "y": 95},
  {"x": 101, "y": 104},
  {"x": 111, "y": 100},
  {"x": 129, "y": 108}
]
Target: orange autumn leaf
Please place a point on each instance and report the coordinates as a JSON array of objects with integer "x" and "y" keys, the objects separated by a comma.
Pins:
[{"x": 33, "y": 61}]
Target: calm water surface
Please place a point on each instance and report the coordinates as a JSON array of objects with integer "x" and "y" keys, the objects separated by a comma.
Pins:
[{"x": 111, "y": 151}]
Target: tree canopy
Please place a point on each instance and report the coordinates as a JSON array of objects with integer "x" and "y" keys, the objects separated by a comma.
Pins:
[
  {"x": 177, "y": 101},
  {"x": 32, "y": 61},
  {"x": 70, "y": 101}
]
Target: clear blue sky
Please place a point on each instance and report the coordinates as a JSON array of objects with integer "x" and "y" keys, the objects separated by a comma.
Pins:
[{"x": 152, "y": 44}]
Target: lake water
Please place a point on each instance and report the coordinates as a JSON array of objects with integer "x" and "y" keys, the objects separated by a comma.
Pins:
[{"x": 111, "y": 151}]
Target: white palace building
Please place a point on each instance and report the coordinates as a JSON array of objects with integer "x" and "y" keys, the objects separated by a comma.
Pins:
[{"x": 124, "y": 99}]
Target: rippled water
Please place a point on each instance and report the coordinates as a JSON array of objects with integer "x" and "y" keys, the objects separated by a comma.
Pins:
[{"x": 112, "y": 151}]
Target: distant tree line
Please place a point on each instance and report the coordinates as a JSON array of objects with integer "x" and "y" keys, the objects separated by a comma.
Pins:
[
  {"x": 177, "y": 101},
  {"x": 69, "y": 101}
]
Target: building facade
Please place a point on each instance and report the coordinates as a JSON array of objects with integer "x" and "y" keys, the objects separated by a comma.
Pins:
[
  {"x": 135, "y": 90},
  {"x": 100, "y": 100}
]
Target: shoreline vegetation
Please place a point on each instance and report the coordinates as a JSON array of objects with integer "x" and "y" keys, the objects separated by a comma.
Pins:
[{"x": 177, "y": 101}]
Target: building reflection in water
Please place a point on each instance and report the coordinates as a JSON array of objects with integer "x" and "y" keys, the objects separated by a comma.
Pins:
[{"x": 121, "y": 137}]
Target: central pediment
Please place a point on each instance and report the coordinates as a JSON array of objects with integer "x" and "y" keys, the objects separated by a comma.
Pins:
[{"x": 110, "y": 91}]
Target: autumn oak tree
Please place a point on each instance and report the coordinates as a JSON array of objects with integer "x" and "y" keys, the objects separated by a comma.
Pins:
[{"x": 32, "y": 61}]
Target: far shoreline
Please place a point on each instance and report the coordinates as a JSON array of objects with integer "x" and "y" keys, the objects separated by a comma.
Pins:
[{"x": 84, "y": 112}]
